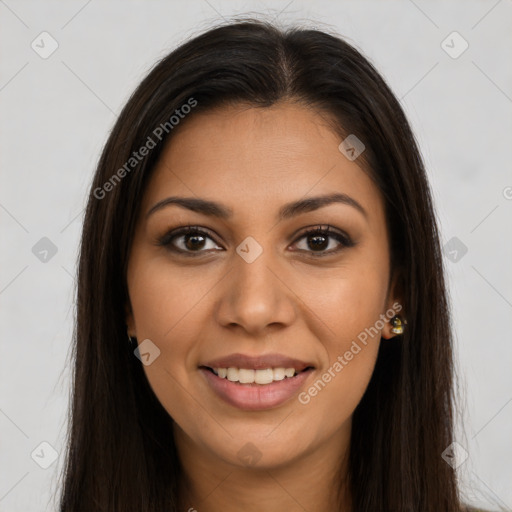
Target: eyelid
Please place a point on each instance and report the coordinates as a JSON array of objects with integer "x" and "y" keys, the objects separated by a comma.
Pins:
[
  {"x": 165, "y": 240},
  {"x": 326, "y": 230},
  {"x": 329, "y": 232}
]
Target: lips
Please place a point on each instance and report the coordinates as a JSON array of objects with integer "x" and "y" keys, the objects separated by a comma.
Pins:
[
  {"x": 257, "y": 362},
  {"x": 268, "y": 394}
]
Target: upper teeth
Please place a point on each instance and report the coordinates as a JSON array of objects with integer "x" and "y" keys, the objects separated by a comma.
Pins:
[{"x": 246, "y": 376}]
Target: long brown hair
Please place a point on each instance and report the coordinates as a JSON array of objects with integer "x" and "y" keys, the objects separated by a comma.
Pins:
[{"x": 121, "y": 455}]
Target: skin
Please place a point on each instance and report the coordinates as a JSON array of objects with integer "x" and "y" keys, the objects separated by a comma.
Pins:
[{"x": 215, "y": 303}]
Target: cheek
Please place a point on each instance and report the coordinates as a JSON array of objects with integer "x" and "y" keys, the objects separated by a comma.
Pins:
[
  {"x": 166, "y": 307},
  {"x": 347, "y": 321},
  {"x": 346, "y": 302},
  {"x": 351, "y": 347},
  {"x": 164, "y": 298},
  {"x": 170, "y": 307}
]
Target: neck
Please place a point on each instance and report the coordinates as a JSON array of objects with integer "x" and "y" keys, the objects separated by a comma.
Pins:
[{"x": 315, "y": 481}]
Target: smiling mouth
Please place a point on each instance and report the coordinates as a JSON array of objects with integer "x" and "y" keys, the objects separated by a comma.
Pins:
[{"x": 259, "y": 377}]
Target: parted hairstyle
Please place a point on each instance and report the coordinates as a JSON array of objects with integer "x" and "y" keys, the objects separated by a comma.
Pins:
[{"x": 121, "y": 455}]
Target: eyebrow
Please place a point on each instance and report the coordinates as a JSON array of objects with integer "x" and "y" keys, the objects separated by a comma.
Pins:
[{"x": 213, "y": 209}]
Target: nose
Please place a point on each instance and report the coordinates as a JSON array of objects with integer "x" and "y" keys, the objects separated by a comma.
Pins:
[{"x": 256, "y": 296}]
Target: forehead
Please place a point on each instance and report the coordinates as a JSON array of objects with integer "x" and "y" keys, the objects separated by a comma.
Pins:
[{"x": 247, "y": 157}]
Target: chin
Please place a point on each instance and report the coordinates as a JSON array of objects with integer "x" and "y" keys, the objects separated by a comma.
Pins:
[{"x": 261, "y": 452}]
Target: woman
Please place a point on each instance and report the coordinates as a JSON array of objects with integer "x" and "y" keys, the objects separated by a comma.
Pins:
[{"x": 262, "y": 320}]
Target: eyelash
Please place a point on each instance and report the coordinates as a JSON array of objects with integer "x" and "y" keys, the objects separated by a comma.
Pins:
[{"x": 327, "y": 231}]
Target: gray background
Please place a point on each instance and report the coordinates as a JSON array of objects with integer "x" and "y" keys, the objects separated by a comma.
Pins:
[{"x": 56, "y": 113}]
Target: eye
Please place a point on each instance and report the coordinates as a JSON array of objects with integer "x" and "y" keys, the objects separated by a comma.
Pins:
[
  {"x": 318, "y": 240},
  {"x": 189, "y": 240},
  {"x": 193, "y": 240}
]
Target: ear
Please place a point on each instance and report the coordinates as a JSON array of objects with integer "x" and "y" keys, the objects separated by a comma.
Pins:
[{"x": 394, "y": 304}]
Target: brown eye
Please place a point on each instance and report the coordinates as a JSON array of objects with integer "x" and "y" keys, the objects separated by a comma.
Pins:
[
  {"x": 320, "y": 239},
  {"x": 188, "y": 240},
  {"x": 318, "y": 242},
  {"x": 194, "y": 241}
]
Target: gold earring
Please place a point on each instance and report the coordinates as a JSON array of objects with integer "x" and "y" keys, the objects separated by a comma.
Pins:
[{"x": 398, "y": 325}]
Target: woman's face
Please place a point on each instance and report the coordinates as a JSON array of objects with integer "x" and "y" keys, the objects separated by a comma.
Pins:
[{"x": 254, "y": 290}]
